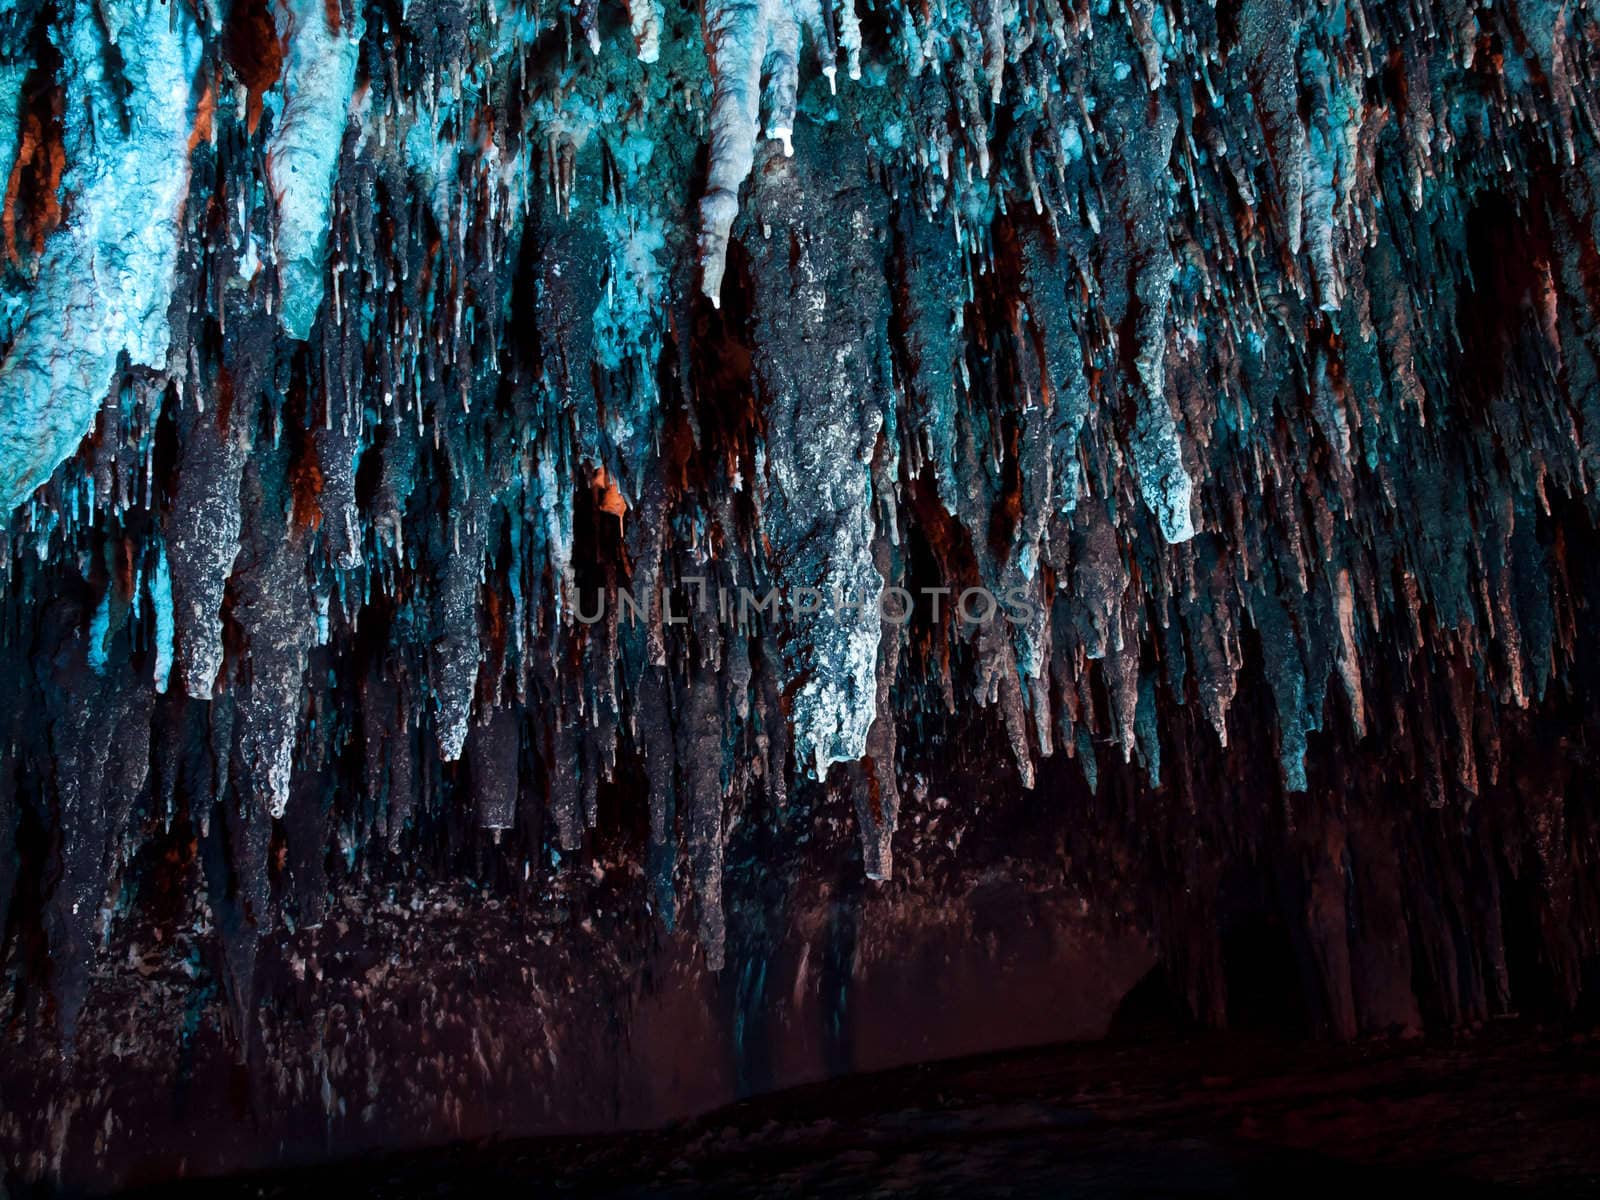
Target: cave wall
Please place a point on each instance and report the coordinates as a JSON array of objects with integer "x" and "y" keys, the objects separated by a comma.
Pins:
[{"x": 385, "y": 385}]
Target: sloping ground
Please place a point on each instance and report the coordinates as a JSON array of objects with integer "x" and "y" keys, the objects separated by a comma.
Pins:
[
  {"x": 440, "y": 1014},
  {"x": 1508, "y": 1111}
]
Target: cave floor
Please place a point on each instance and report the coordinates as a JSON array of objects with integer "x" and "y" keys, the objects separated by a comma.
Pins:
[{"x": 1508, "y": 1110}]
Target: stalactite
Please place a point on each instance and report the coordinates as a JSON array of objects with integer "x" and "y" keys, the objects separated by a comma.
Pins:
[
  {"x": 106, "y": 278},
  {"x": 319, "y": 66}
]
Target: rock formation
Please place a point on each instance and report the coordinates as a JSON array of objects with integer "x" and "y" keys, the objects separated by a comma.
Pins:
[{"x": 781, "y": 471}]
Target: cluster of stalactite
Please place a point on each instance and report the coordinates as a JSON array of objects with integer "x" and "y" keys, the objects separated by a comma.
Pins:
[{"x": 357, "y": 356}]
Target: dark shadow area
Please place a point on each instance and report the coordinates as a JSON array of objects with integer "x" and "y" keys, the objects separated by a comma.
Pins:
[{"x": 1197, "y": 1116}]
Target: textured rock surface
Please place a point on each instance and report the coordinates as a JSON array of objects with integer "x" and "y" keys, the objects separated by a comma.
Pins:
[
  {"x": 1228, "y": 1116},
  {"x": 407, "y": 410}
]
